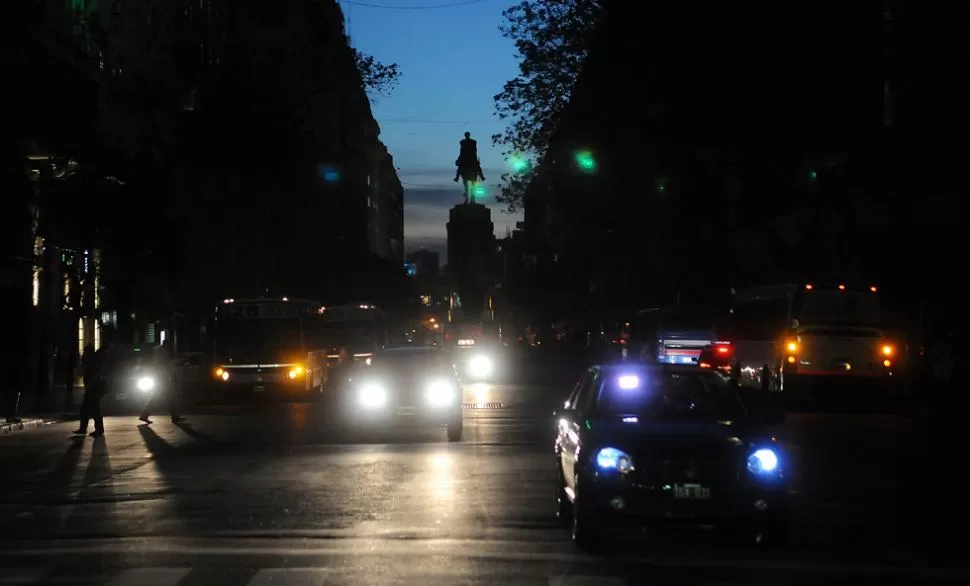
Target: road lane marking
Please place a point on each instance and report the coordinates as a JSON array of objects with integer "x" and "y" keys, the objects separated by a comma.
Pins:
[{"x": 150, "y": 577}]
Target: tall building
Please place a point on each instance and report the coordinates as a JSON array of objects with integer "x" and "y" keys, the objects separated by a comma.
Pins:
[{"x": 386, "y": 205}]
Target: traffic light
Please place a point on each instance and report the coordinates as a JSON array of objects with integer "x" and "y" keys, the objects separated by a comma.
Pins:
[
  {"x": 586, "y": 161},
  {"x": 479, "y": 191},
  {"x": 518, "y": 164}
]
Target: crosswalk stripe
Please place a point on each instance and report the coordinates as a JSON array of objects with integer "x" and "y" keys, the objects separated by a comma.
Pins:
[
  {"x": 150, "y": 577},
  {"x": 586, "y": 581},
  {"x": 290, "y": 577}
]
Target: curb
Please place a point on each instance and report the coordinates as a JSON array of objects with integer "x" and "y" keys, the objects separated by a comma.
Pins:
[
  {"x": 32, "y": 423},
  {"x": 21, "y": 426}
]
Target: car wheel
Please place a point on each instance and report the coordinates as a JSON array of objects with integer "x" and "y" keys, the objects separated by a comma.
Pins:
[
  {"x": 587, "y": 534},
  {"x": 455, "y": 429},
  {"x": 564, "y": 508}
]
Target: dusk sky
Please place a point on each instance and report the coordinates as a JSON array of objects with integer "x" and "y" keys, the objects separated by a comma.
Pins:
[{"x": 453, "y": 60}]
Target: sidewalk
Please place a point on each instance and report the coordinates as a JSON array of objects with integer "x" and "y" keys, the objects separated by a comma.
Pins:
[{"x": 31, "y": 418}]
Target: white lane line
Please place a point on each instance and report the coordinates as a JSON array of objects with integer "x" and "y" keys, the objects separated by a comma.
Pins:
[
  {"x": 586, "y": 581},
  {"x": 290, "y": 577},
  {"x": 150, "y": 577},
  {"x": 22, "y": 575}
]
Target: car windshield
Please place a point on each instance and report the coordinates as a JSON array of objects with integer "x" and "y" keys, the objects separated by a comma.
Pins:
[
  {"x": 668, "y": 397},
  {"x": 408, "y": 361}
]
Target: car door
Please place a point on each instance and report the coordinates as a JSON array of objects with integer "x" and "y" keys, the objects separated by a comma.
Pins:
[{"x": 570, "y": 426}]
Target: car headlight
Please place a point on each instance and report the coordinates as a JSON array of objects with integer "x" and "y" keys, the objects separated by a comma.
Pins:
[
  {"x": 295, "y": 371},
  {"x": 441, "y": 393},
  {"x": 480, "y": 366},
  {"x": 763, "y": 462},
  {"x": 373, "y": 395},
  {"x": 145, "y": 384},
  {"x": 614, "y": 459}
]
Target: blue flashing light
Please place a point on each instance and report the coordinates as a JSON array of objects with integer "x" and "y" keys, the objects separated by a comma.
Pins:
[
  {"x": 628, "y": 382},
  {"x": 763, "y": 461}
]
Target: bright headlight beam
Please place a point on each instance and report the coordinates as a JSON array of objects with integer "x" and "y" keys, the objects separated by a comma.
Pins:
[
  {"x": 145, "y": 384},
  {"x": 373, "y": 395},
  {"x": 441, "y": 392},
  {"x": 480, "y": 366}
]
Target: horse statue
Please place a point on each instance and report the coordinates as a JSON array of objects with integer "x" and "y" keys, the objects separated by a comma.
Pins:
[
  {"x": 471, "y": 176},
  {"x": 469, "y": 167}
]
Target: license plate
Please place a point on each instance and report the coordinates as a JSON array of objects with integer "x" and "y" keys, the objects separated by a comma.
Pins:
[
  {"x": 407, "y": 411},
  {"x": 691, "y": 491},
  {"x": 259, "y": 389}
]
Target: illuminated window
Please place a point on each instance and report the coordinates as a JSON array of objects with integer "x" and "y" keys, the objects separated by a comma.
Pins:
[{"x": 80, "y": 336}]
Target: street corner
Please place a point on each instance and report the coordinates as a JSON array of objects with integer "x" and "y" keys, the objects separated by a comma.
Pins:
[{"x": 24, "y": 424}]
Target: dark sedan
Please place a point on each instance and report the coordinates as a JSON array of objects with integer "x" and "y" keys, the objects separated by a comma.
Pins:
[
  {"x": 652, "y": 445},
  {"x": 412, "y": 384}
]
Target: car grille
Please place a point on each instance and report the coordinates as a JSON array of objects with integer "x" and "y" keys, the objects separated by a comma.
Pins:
[{"x": 706, "y": 465}]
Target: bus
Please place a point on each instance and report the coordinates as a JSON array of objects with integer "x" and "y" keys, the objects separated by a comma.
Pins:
[
  {"x": 673, "y": 334},
  {"x": 789, "y": 337},
  {"x": 268, "y": 345},
  {"x": 360, "y": 329}
]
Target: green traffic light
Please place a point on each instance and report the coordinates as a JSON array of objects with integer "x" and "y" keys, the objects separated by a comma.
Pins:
[
  {"x": 585, "y": 161},
  {"x": 519, "y": 164}
]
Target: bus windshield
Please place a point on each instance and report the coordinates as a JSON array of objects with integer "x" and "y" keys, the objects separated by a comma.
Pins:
[
  {"x": 838, "y": 307},
  {"x": 259, "y": 341},
  {"x": 357, "y": 336}
]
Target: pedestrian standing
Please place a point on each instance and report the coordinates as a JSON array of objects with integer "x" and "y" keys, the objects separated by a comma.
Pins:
[
  {"x": 94, "y": 369},
  {"x": 166, "y": 386}
]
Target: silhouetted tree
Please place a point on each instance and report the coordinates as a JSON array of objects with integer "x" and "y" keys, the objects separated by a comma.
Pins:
[
  {"x": 379, "y": 78},
  {"x": 552, "y": 38}
]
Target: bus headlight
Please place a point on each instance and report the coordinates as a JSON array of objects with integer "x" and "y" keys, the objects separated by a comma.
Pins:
[
  {"x": 480, "y": 366},
  {"x": 372, "y": 395},
  {"x": 441, "y": 393},
  {"x": 145, "y": 384}
]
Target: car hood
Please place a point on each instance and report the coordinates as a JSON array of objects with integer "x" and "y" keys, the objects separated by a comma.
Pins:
[{"x": 674, "y": 435}]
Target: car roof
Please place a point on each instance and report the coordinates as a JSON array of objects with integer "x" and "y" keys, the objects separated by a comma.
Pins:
[{"x": 647, "y": 369}]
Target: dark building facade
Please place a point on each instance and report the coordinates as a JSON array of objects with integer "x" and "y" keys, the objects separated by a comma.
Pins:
[{"x": 166, "y": 153}]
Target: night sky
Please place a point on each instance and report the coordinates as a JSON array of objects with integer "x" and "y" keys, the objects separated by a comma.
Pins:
[{"x": 453, "y": 60}]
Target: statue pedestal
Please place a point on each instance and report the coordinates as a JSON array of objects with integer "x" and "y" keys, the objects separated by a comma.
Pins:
[{"x": 471, "y": 252}]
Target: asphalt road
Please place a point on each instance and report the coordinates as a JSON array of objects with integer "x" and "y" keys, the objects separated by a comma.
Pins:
[{"x": 265, "y": 494}]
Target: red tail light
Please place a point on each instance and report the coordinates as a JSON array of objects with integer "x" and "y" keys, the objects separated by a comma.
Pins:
[{"x": 723, "y": 348}]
